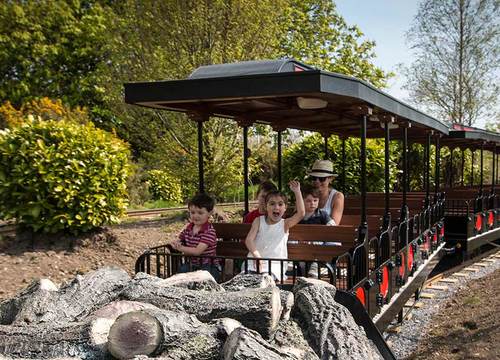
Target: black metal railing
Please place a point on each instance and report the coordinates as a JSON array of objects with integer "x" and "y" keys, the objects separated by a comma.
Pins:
[{"x": 401, "y": 247}]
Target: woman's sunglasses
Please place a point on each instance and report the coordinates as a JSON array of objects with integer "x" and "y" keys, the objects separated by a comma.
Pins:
[{"x": 314, "y": 178}]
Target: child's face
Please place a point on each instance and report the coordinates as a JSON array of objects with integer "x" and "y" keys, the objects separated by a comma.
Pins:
[
  {"x": 311, "y": 203},
  {"x": 261, "y": 198},
  {"x": 198, "y": 216},
  {"x": 276, "y": 208}
]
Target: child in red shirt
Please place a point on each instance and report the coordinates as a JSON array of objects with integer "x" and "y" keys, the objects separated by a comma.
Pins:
[
  {"x": 264, "y": 188},
  {"x": 198, "y": 238}
]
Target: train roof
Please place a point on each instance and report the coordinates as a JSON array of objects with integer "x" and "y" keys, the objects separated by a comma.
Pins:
[
  {"x": 284, "y": 94},
  {"x": 468, "y": 136}
]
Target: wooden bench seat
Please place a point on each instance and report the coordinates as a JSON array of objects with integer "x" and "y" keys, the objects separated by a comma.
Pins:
[{"x": 372, "y": 202}]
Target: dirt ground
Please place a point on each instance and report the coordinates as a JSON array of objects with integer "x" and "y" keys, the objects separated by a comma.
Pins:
[
  {"x": 468, "y": 326},
  {"x": 60, "y": 257}
]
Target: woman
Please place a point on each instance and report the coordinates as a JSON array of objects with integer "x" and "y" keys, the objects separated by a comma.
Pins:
[{"x": 331, "y": 200}]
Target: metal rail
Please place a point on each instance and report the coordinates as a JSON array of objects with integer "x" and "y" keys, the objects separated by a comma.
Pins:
[{"x": 159, "y": 211}]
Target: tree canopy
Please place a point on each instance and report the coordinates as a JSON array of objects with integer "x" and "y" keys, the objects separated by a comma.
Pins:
[
  {"x": 51, "y": 49},
  {"x": 457, "y": 45}
]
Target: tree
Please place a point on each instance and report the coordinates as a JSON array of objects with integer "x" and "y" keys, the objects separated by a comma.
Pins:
[
  {"x": 457, "y": 45},
  {"x": 168, "y": 40},
  {"x": 318, "y": 35},
  {"x": 52, "y": 49}
]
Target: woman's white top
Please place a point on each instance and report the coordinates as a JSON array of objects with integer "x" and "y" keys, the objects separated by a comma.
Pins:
[
  {"x": 271, "y": 242},
  {"x": 328, "y": 205}
]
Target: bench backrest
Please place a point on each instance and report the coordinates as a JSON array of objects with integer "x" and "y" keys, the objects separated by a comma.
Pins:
[{"x": 300, "y": 246}]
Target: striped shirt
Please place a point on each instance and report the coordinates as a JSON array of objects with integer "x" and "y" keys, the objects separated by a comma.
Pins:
[{"x": 206, "y": 235}]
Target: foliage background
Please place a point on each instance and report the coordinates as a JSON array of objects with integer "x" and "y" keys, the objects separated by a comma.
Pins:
[{"x": 79, "y": 53}]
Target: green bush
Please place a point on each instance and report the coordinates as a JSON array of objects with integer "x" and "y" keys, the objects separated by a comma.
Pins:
[
  {"x": 137, "y": 188},
  {"x": 59, "y": 175},
  {"x": 164, "y": 186}
]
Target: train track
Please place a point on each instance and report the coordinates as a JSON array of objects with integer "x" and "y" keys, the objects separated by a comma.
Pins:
[
  {"x": 160, "y": 211},
  {"x": 447, "y": 276},
  {"x": 7, "y": 229}
]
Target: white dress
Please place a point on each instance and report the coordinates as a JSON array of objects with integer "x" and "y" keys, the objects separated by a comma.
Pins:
[{"x": 271, "y": 242}]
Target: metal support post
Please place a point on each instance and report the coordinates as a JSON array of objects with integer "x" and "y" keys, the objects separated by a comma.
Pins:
[
  {"x": 463, "y": 167},
  {"x": 404, "y": 205},
  {"x": 363, "y": 226},
  {"x": 387, "y": 215},
  {"x": 436, "y": 179},
  {"x": 472, "y": 167},
  {"x": 343, "y": 166},
  {"x": 245, "y": 166},
  {"x": 326, "y": 147},
  {"x": 279, "y": 160},
  {"x": 451, "y": 167},
  {"x": 481, "y": 172},
  {"x": 201, "y": 182},
  {"x": 428, "y": 169}
]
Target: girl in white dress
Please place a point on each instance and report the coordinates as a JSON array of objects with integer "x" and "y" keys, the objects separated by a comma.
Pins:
[{"x": 268, "y": 235}]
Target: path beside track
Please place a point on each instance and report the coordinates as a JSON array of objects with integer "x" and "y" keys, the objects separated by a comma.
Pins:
[{"x": 439, "y": 294}]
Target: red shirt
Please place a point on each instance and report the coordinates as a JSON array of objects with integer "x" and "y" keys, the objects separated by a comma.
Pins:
[
  {"x": 206, "y": 235},
  {"x": 251, "y": 216}
]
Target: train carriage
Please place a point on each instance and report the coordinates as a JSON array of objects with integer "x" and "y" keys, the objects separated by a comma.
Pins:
[
  {"x": 471, "y": 211},
  {"x": 386, "y": 251}
]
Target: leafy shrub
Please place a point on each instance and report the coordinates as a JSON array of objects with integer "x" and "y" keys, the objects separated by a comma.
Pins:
[
  {"x": 44, "y": 109},
  {"x": 137, "y": 188},
  {"x": 164, "y": 186},
  {"x": 59, "y": 175}
]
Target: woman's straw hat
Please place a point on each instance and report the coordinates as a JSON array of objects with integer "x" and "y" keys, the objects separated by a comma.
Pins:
[{"x": 322, "y": 168}]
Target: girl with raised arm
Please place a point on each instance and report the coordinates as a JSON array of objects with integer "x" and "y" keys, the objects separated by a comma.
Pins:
[{"x": 268, "y": 235}]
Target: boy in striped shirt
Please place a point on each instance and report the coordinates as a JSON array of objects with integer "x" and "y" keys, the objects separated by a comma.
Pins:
[{"x": 198, "y": 238}]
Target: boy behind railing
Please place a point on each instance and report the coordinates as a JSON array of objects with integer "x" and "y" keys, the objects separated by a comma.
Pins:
[{"x": 198, "y": 238}]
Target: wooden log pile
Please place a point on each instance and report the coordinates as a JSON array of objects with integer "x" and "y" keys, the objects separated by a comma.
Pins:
[{"x": 105, "y": 314}]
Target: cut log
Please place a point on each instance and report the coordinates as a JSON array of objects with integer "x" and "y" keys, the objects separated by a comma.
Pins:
[
  {"x": 116, "y": 308},
  {"x": 81, "y": 339},
  {"x": 195, "y": 280},
  {"x": 225, "y": 326},
  {"x": 32, "y": 299},
  {"x": 290, "y": 339},
  {"x": 328, "y": 326},
  {"x": 245, "y": 281},
  {"x": 244, "y": 344},
  {"x": 257, "y": 309},
  {"x": 73, "y": 302},
  {"x": 174, "y": 334},
  {"x": 287, "y": 300}
]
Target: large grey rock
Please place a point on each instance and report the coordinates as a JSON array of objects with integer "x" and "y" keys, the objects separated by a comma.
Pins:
[{"x": 328, "y": 326}]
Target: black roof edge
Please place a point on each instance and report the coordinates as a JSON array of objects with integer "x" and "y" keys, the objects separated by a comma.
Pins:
[
  {"x": 135, "y": 92},
  {"x": 473, "y": 133}
]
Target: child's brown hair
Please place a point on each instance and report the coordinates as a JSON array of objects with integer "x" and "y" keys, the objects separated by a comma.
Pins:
[
  {"x": 276, "y": 193},
  {"x": 267, "y": 187},
  {"x": 310, "y": 190},
  {"x": 202, "y": 200}
]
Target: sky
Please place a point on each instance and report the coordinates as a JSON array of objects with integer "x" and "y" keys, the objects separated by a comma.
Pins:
[{"x": 385, "y": 22}]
